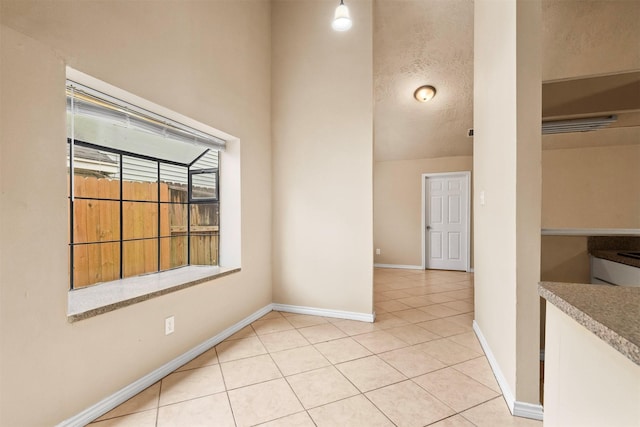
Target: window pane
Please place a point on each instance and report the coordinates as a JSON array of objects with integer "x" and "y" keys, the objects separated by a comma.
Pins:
[
  {"x": 204, "y": 234},
  {"x": 132, "y": 214},
  {"x": 173, "y": 183},
  {"x": 204, "y": 186},
  {"x": 204, "y": 217},
  {"x": 140, "y": 220},
  {"x": 177, "y": 194},
  {"x": 95, "y": 173},
  {"x": 209, "y": 161},
  {"x": 140, "y": 179},
  {"x": 204, "y": 249},
  {"x": 95, "y": 263},
  {"x": 173, "y": 219},
  {"x": 173, "y": 252},
  {"x": 95, "y": 221},
  {"x": 139, "y": 257}
]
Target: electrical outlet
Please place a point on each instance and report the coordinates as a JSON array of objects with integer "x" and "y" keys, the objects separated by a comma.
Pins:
[
  {"x": 482, "y": 200},
  {"x": 378, "y": 251},
  {"x": 169, "y": 325}
]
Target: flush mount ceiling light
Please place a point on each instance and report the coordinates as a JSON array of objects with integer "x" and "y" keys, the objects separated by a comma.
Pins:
[
  {"x": 424, "y": 93},
  {"x": 341, "y": 19}
]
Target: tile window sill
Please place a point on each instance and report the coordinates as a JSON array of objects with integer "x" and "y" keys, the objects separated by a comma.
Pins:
[{"x": 93, "y": 300}]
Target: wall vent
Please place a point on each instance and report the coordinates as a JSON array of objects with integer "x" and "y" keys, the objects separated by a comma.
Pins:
[
  {"x": 573, "y": 125},
  {"x": 577, "y": 125}
]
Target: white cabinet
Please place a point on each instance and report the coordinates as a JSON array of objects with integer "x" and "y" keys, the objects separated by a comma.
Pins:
[
  {"x": 587, "y": 382},
  {"x": 614, "y": 273}
]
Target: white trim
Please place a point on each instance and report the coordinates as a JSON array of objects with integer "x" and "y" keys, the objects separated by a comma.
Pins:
[
  {"x": 470, "y": 270},
  {"x": 467, "y": 175},
  {"x": 230, "y": 238},
  {"x": 528, "y": 410},
  {"x": 590, "y": 231},
  {"x": 230, "y": 179},
  {"x": 407, "y": 267},
  {"x": 105, "y": 405},
  {"x": 518, "y": 409},
  {"x": 339, "y": 314},
  {"x": 507, "y": 394}
]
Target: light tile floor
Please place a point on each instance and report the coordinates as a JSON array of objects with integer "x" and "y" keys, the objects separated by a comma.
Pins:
[{"x": 419, "y": 364}]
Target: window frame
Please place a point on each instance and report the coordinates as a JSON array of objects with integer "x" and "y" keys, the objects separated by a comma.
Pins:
[
  {"x": 122, "y": 239},
  {"x": 89, "y": 301}
]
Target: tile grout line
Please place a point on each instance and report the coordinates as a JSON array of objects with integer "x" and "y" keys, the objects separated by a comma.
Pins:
[
  {"x": 360, "y": 392},
  {"x": 353, "y": 337},
  {"x": 285, "y": 379},
  {"x": 500, "y": 396},
  {"x": 447, "y": 366},
  {"x": 334, "y": 366},
  {"x": 158, "y": 401},
  {"x": 226, "y": 390}
]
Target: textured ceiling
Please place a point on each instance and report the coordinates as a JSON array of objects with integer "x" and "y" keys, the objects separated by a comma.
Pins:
[
  {"x": 416, "y": 43},
  {"x": 419, "y": 42}
]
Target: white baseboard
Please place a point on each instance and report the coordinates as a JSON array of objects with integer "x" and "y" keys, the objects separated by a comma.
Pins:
[
  {"x": 502, "y": 381},
  {"x": 406, "y": 267},
  {"x": 124, "y": 394},
  {"x": 349, "y": 315},
  {"x": 518, "y": 409},
  {"x": 528, "y": 410}
]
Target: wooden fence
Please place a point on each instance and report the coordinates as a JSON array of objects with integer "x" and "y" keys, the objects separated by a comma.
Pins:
[{"x": 99, "y": 221}]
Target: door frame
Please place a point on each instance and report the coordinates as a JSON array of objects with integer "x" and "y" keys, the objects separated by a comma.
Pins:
[{"x": 467, "y": 207}]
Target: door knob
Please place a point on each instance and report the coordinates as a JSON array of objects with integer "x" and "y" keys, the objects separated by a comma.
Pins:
[{"x": 428, "y": 227}]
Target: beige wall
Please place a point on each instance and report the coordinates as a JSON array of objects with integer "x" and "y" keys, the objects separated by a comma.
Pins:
[
  {"x": 591, "y": 187},
  {"x": 322, "y": 157},
  {"x": 506, "y": 165},
  {"x": 207, "y": 60},
  {"x": 582, "y": 38},
  {"x": 397, "y": 210},
  {"x": 597, "y": 187},
  {"x": 598, "y": 37},
  {"x": 528, "y": 199},
  {"x": 564, "y": 259},
  {"x": 588, "y": 187},
  {"x": 494, "y": 165}
]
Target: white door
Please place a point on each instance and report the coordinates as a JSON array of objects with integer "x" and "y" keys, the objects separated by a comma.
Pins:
[{"x": 446, "y": 221}]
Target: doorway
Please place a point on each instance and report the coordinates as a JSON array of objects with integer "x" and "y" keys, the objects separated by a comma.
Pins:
[{"x": 446, "y": 221}]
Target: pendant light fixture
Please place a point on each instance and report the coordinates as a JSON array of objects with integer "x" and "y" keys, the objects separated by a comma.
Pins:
[{"x": 341, "y": 19}]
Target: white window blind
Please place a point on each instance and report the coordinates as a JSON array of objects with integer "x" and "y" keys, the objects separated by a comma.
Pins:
[{"x": 102, "y": 110}]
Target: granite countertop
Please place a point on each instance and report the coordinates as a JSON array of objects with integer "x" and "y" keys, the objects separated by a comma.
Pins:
[
  {"x": 102, "y": 298},
  {"x": 607, "y": 247},
  {"x": 612, "y": 255},
  {"x": 610, "y": 312}
]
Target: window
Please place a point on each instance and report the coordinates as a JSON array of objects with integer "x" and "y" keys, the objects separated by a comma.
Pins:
[{"x": 143, "y": 191}]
